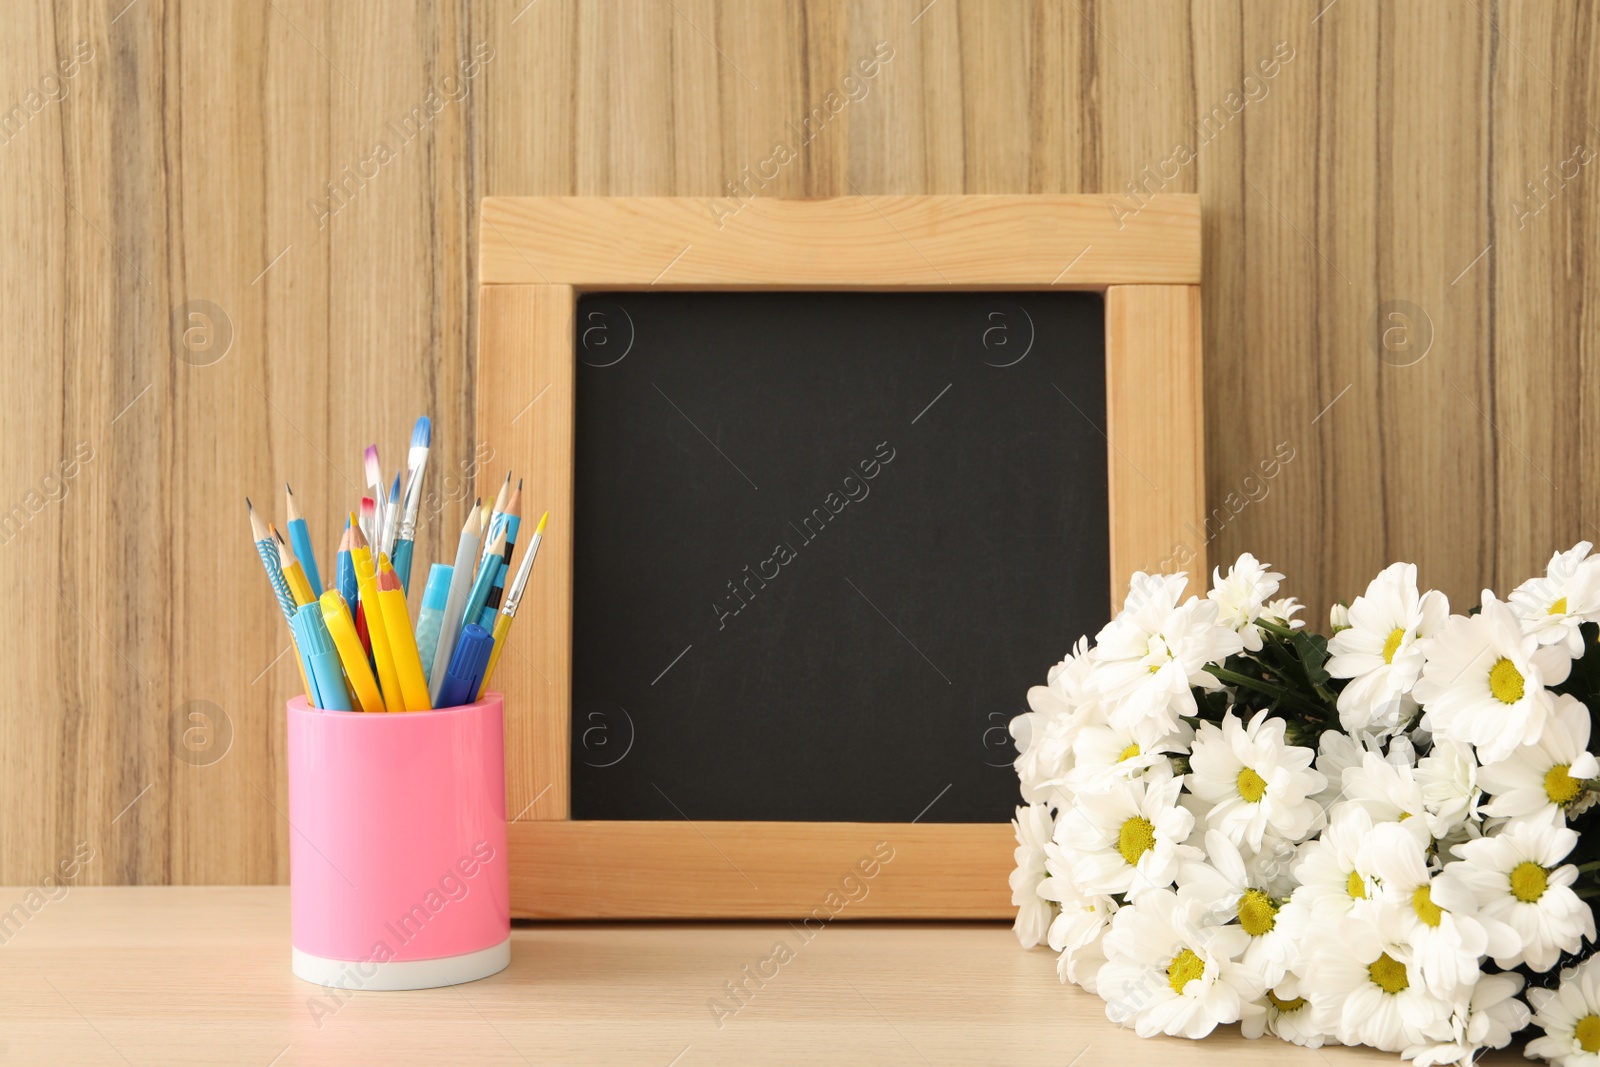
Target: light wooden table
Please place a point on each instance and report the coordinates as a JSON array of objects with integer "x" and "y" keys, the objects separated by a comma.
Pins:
[{"x": 201, "y": 975}]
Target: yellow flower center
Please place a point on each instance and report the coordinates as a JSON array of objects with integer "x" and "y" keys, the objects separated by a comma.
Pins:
[
  {"x": 1560, "y": 608},
  {"x": 1505, "y": 681},
  {"x": 1356, "y": 887},
  {"x": 1129, "y": 752},
  {"x": 1588, "y": 1033},
  {"x": 1184, "y": 968},
  {"x": 1257, "y": 914},
  {"x": 1251, "y": 785},
  {"x": 1388, "y": 974},
  {"x": 1528, "y": 881},
  {"x": 1422, "y": 903},
  {"x": 1286, "y": 1005},
  {"x": 1391, "y": 646},
  {"x": 1137, "y": 837},
  {"x": 1560, "y": 786}
]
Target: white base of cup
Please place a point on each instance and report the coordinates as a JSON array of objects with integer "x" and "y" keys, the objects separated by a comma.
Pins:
[{"x": 403, "y": 974}]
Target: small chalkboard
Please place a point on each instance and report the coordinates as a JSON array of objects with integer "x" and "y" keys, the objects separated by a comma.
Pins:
[
  {"x": 830, "y": 484},
  {"x": 824, "y": 543}
]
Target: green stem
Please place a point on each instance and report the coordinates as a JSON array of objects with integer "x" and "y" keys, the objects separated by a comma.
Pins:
[
  {"x": 1235, "y": 678},
  {"x": 1285, "y": 696},
  {"x": 1585, "y": 868},
  {"x": 1275, "y": 628}
]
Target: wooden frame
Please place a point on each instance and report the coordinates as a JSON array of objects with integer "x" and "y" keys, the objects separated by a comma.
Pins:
[{"x": 540, "y": 253}]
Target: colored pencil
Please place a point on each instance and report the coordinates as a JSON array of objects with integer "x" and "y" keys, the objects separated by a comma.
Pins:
[
  {"x": 487, "y": 569},
  {"x": 402, "y": 640},
  {"x": 346, "y": 572},
  {"x": 495, "y": 515},
  {"x": 300, "y": 538},
  {"x": 352, "y": 655},
  {"x": 456, "y": 602},
  {"x": 416, "y": 467},
  {"x": 267, "y": 549},
  {"x": 510, "y": 522},
  {"x": 508, "y": 611},
  {"x": 382, "y": 655},
  {"x": 293, "y": 573}
]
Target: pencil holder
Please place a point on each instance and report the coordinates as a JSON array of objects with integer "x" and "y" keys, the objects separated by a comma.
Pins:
[{"x": 397, "y": 846}]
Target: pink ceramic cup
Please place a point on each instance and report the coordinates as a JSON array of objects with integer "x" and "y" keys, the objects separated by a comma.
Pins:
[{"x": 397, "y": 846}]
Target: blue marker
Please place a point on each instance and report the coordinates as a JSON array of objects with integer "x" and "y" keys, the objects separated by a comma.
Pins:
[
  {"x": 321, "y": 659},
  {"x": 465, "y": 673}
]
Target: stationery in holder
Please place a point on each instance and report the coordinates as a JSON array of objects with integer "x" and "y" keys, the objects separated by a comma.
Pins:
[
  {"x": 398, "y": 872},
  {"x": 402, "y": 642},
  {"x": 352, "y": 654},
  {"x": 430, "y": 620},
  {"x": 323, "y": 672},
  {"x": 465, "y": 673}
]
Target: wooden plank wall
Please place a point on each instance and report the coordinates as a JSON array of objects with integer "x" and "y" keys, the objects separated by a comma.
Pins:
[{"x": 193, "y": 315}]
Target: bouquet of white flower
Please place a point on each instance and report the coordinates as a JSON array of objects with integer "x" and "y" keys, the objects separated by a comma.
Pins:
[{"x": 1374, "y": 838}]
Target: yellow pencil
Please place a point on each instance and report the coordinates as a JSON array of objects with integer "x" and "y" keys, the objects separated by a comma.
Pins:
[
  {"x": 352, "y": 656},
  {"x": 508, "y": 608},
  {"x": 402, "y": 640},
  {"x": 367, "y": 584},
  {"x": 293, "y": 572}
]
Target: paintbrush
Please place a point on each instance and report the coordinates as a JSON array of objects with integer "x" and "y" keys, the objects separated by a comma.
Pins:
[{"x": 416, "y": 467}]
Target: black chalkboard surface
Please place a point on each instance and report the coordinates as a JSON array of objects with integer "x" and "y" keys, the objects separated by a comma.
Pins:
[{"x": 824, "y": 543}]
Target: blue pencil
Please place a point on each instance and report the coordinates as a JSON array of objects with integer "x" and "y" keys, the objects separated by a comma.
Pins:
[{"x": 300, "y": 540}]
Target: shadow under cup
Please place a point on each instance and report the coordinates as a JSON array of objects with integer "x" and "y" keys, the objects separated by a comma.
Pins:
[{"x": 397, "y": 846}]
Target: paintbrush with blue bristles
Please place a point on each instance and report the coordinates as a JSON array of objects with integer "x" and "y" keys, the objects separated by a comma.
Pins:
[{"x": 416, "y": 466}]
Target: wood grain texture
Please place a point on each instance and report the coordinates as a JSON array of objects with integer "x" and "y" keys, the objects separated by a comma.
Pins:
[
  {"x": 913, "y": 242},
  {"x": 760, "y": 870},
  {"x": 525, "y": 419},
  {"x": 1401, "y": 154},
  {"x": 189, "y": 976}
]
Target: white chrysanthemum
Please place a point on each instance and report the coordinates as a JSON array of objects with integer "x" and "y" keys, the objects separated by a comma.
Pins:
[
  {"x": 1570, "y": 1017},
  {"x": 1546, "y": 777},
  {"x": 1071, "y": 677},
  {"x": 1254, "y": 780},
  {"x": 1517, "y": 881},
  {"x": 1335, "y": 870},
  {"x": 1283, "y": 611},
  {"x": 1128, "y": 839},
  {"x": 1358, "y": 977},
  {"x": 1271, "y": 867},
  {"x": 1448, "y": 776},
  {"x": 1379, "y": 650},
  {"x": 1338, "y": 617},
  {"x": 1044, "y": 738},
  {"x": 1242, "y": 597},
  {"x": 1034, "y": 827},
  {"x": 1492, "y": 1014},
  {"x": 1285, "y": 1013},
  {"x": 1436, "y": 916},
  {"x": 1105, "y": 754},
  {"x": 1388, "y": 789},
  {"x": 1336, "y": 750},
  {"x": 1553, "y": 607},
  {"x": 1485, "y": 679},
  {"x": 1075, "y": 932},
  {"x": 1224, "y": 888},
  {"x": 1152, "y": 653},
  {"x": 1170, "y": 969}
]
